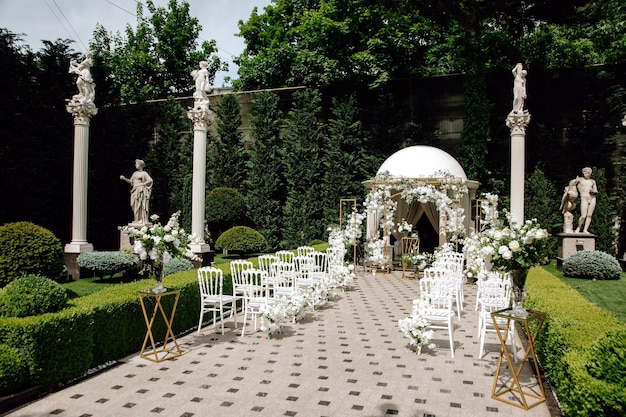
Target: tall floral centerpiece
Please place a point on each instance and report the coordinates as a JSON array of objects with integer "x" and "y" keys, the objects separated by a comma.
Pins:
[
  {"x": 153, "y": 242},
  {"x": 514, "y": 248}
]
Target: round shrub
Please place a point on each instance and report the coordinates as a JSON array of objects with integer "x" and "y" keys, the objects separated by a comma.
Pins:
[
  {"x": 30, "y": 296},
  {"x": 26, "y": 248},
  {"x": 225, "y": 206},
  {"x": 591, "y": 264},
  {"x": 107, "y": 262},
  {"x": 13, "y": 370},
  {"x": 241, "y": 240},
  {"x": 177, "y": 265}
]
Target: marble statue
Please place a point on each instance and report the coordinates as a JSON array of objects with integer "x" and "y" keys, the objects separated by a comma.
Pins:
[
  {"x": 568, "y": 205},
  {"x": 141, "y": 183},
  {"x": 519, "y": 88},
  {"x": 588, "y": 190},
  {"x": 84, "y": 80},
  {"x": 202, "y": 84}
]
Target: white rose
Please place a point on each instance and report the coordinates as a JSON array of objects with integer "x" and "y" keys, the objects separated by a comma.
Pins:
[{"x": 514, "y": 245}]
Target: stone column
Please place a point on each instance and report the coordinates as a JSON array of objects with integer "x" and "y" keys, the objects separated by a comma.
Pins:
[
  {"x": 517, "y": 123},
  {"x": 201, "y": 116},
  {"x": 82, "y": 112}
]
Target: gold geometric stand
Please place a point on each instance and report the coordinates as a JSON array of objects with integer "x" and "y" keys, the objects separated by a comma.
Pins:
[
  {"x": 519, "y": 395},
  {"x": 163, "y": 353}
]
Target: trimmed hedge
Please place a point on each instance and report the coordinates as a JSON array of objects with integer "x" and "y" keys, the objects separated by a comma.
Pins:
[
  {"x": 100, "y": 327},
  {"x": 578, "y": 339},
  {"x": 13, "y": 370},
  {"x": 32, "y": 295}
]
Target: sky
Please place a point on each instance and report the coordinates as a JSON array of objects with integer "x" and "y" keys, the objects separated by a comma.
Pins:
[{"x": 49, "y": 20}]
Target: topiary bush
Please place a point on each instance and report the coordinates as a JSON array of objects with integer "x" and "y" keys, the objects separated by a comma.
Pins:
[
  {"x": 107, "y": 262},
  {"x": 225, "y": 207},
  {"x": 177, "y": 265},
  {"x": 241, "y": 240},
  {"x": 13, "y": 370},
  {"x": 30, "y": 296},
  {"x": 592, "y": 265},
  {"x": 26, "y": 248}
]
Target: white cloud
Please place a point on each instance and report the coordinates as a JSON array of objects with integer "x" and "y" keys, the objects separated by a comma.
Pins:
[{"x": 75, "y": 19}]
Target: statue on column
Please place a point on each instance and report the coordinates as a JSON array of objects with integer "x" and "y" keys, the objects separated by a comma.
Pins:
[
  {"x": 84, "y": 80},
  {"x": 588, "y": 190},
  {"x": 202, "y": 85},
  {"x": 519, "y": 88},
  {"x": 141, "y": 183},
  {"x": 568, "y": 205}
]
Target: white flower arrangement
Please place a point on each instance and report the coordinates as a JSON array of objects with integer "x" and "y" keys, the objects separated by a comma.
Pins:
[
  {"x": 343, "y": 276},
  {"x": 272, "y": 314},
  {"x": 376, "y": 251},
  {"x": 404, "y": 227},
  {"x": 153, "y": 242},
  {"x": 415, "y": 327}
]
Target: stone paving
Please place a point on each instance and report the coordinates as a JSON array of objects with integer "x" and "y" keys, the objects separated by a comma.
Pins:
[{"x": 346, "y": 359}]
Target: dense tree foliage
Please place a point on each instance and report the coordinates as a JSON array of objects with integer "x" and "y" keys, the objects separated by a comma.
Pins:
[
  {"x": 155, "y": 60},
  {"x": 265, "y": 184},
  {"x": 227, "y": 163}
]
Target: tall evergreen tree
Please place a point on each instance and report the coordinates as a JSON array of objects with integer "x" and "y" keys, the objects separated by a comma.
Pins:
[
  {"x": 346, "y": 162},
  {"x": 542, "y": 203},
  {"x": 265, "y": 184},
  {"x": 304, "y": 141},
  {"x": 229, "y": 166}
]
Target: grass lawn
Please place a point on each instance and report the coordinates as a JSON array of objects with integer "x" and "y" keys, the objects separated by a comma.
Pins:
[
  {"x": 606, "y": 294},
  {"x": 85, "y": 286}
]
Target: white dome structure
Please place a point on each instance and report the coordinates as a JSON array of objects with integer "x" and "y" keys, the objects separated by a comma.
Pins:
[{"x": 421, "y": 162}]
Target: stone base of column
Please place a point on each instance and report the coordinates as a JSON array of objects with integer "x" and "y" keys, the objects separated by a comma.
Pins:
[
  {"x": 572, "y": 242},
  {"x": 204, "y": 252},
  {"x": 72, "y": 250}
]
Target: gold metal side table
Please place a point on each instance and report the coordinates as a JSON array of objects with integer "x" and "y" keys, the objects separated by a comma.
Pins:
[
  {"x": 522, "y": 396},
  {"x": 151, "y": 352}
]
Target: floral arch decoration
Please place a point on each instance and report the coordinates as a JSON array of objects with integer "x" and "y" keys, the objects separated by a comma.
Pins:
[{"x": 443, "y": 190}]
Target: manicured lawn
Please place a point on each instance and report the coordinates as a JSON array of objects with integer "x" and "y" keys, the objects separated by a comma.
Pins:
[
  {"x": 607, "y": 294},
  {"x": 85, "y": 286}
]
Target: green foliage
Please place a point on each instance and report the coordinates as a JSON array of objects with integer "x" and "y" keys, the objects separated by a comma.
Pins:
[
  {"x": 265, "y": 184},
  {"x": 177, "y": 265},
  {"x": 541, "y": 202},
  {"x": 608, "y": 358},
  {"x": 13, "y": 370},
  {"x": 241, "y": 239},
  {"x": 330, "y": 43},
  {"x": 592, "y": 265},
  {"x": 26, "y": 248},
  {"x": 31, "y": 295},
  {"x": 227, "y": 157},
  {"x": 155, "y": 59},
  {"x": 603, "y": 221},
  {"x": 472, "y": 153},
  {"x": 107, "y": 262},
  {"x": 225, "y": 207},
  {"x": 303, "y": 214},
  {"x": 565, "y": 347}
]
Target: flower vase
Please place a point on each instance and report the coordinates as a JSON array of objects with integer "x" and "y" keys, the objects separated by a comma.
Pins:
[
  {"x": 157, "y": 271},
  {"x": 518, "y": 290}
]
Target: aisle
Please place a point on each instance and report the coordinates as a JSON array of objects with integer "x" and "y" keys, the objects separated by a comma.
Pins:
[{"x": 346, "y": 359}]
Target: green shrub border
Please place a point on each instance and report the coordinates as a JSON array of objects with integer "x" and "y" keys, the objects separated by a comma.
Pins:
[
  {"x": 565, "y": 346},
  {"x": 99, "y": 328}
]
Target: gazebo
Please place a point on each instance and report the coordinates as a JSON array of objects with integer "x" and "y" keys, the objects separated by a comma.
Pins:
[{"x": 417, "y": 182}]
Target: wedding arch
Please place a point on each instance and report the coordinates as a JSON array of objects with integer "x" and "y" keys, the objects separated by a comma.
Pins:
[{"x": 414, "y": 182}]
